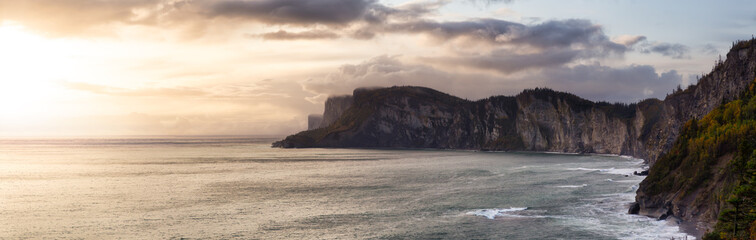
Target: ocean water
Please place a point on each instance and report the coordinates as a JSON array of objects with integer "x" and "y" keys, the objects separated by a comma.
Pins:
[{"x": 235, "y": 187}]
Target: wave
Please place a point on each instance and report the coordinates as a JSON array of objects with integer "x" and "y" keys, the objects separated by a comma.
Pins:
[
  {"x": 572, "y": 186},
  {"x": 495, "y": 212},
  {"x": 607, "y": 215},
  {"x": 613, "y": 171}
]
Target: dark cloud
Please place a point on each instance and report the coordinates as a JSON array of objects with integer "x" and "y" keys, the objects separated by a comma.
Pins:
[
  {"x": 674, "y": 50},
  {"x": 571, "y": 33},
  {"x": 78, "y": 17},
  {"x": 565, "y": 33},
  {"x": 405, "y": 12},
  {"x": 595, "y": 82},
  {"x": 484, "y": 29},
  {"x": 602, "y": 83},
  {"x": 642, "y": 44},
  {"x": 306, "y": 35},
  {"x": 505, "y": 61},
  {"x": 296, "y": 12},
  {"x": 515, "y": 47}
]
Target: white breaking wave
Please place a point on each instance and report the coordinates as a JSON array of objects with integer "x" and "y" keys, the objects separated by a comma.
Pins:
[
  {"x": 494, "y": 212},
  {"x": 572, "y": 186},
  {"x": 615, "y": 171},
  {"x": 615, "y": 220}
]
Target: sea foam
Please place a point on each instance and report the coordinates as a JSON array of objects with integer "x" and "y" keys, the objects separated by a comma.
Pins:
[{"x": 494, "y": 212}]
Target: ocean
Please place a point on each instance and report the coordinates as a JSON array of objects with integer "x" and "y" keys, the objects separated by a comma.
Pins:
[{"x": 240, "y": 187}]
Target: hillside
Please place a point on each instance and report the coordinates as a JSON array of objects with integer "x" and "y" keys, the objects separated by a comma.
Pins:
[{"x": 710, "y": 170}]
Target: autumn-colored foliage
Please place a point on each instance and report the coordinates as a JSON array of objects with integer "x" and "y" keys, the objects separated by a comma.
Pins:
[{"x": 729, "y": 130}]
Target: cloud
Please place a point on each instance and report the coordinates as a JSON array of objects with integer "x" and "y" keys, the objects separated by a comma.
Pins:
[
  {"x": 294, "y": 12},
  {"x": 709, "y": 49},
  {"x": 514, "y": 47},
  {"x": 488, "y": 2},
  {"x": 602, "y": 83},
  {"x": 83, "y": 17},
  {"x": 412, "y": 10},
  {"x": 673, "y": 50},
  {"x": 629, "y": 40},
  {"x": 144, "y": 92},
  {"x": 385, "y": 71},
  {"x": 77, "y": 16},
  {"x": 555, "y": 33},
  {"x": 329, "y": 19},
  {"x": 305, "y": 35},
  {"x": 595, "y": 82},
  {"x": 227, "y": 91},
  {"x": 505, "y": 61},
  {"x": 564, "y": 33}
]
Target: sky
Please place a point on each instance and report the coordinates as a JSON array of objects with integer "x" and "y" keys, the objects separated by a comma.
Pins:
[{"x": 259, "y": 67}]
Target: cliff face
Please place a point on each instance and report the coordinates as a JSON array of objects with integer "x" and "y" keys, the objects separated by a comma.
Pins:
[
  {"x": 334, "y": 108},
  {"x": 537, "y": 120},
  {"x": 558, "y": 122},
  {"x": 724, "y": 83}
]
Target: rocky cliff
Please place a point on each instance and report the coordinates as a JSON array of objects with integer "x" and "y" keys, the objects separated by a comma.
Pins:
[
  {"x": 334, "y": 108},
  {"x": 534, "y": 120},
  {"x": 694, "y": 179}
]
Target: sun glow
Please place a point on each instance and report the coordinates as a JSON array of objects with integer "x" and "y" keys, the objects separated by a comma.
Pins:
[{"x": 30, "y": 68}]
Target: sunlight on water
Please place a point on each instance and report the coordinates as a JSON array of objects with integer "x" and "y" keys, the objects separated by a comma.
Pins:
[{"x": 240, "y": 187}]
